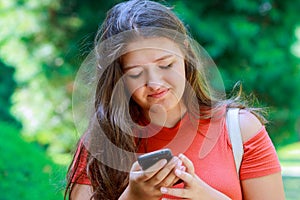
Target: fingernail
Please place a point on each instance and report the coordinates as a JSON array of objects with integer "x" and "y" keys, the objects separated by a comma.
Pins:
[
  {"x": 178, "y": 172},
  {"x": 179, "y": 163},
  {"x": 163, "y": 190},
  {"x": 175, "y": 158},
  {"x": 163, "y": 161}
]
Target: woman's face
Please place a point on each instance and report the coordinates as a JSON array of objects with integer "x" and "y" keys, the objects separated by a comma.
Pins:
[{"x": 154, "y": 73}]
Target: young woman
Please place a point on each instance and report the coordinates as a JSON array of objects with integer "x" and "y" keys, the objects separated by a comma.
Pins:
[{"x": 153, "y": 91}]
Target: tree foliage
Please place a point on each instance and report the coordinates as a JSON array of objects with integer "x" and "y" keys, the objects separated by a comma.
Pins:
[
  {"x": 7, "y": 87},
  {"x": 256, "y": 42},
  {"x": 25, "y": 172}
]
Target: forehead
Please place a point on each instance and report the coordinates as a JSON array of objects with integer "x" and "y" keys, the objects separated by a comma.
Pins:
[{"x": 144, "y": 51}]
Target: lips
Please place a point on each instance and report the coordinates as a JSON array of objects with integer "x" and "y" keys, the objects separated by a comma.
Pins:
[{"x": 159, "y": 94}]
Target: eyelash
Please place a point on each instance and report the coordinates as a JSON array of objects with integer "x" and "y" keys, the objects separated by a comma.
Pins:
[
  {"x": 138, "y": 75},
  {"x": 166, "y": 67},
  {"x": 135, "y": 76}
]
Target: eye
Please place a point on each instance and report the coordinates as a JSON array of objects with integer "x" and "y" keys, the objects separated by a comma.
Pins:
[
  {"x": 166, "y": 67},
  {"x": 134, "y": 76}
]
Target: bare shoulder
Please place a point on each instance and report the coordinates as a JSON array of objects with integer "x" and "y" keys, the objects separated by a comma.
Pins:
[{"x": 249, "y": 124}]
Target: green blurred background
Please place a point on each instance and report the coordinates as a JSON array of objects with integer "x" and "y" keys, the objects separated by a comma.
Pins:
[{"x": 43, "y": 42}]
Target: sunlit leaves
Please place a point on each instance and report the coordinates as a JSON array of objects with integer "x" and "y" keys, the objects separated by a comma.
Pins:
[{"x": 255, "y": 42}]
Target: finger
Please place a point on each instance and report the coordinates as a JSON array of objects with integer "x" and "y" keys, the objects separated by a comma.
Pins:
[
  {"x": 188, "y": 163},
  {"x": 141, "y": 175},
  {"x": 135, "y": 166},
  {"x": 157, "y": 166},
  {"x": 169, "y": 181},
  {"x": 185, "y": 176},
  {"x": 176, "y": 192},
  {"x": 135, "y": 172},
  {"x": 169, "y": 199},
  {"x": 166, "y": 171},
  {"x": 172, "y": 179},
  {"x": 154, "y": 169},
  {"x": 176, "y": 179}
]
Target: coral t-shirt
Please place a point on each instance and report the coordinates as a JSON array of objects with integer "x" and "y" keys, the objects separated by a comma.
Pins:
[{"x": 206, "y": 143}]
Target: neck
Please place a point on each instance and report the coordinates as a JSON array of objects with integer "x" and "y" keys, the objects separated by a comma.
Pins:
[{"x": 159, "y": 116}]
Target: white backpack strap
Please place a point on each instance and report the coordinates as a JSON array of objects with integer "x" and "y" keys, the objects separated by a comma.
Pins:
[{"x": 233, "y": 126}]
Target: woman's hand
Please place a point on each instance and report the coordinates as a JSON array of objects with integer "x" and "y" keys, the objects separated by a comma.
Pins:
[
  {"x": 146, "y": 184},
  {"x": 195, "y": 188}
]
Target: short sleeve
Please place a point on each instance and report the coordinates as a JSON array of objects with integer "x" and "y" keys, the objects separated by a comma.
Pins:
[
  {"x": 80, "y": 160},
  {"x": 260, "y": 158}
]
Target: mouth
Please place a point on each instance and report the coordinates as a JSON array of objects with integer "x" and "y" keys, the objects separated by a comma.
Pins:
[{"x": 159, "y": 94}]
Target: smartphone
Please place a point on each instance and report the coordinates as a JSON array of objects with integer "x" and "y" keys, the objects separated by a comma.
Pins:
[{"x": 149, "y": 159}]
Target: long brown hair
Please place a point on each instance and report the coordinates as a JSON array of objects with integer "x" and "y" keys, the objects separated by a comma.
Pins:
[{"x": 112, "y": 118}]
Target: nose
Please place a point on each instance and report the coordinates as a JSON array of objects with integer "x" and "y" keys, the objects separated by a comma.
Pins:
[
  {"x": 153, "y": 85},
  {"x": 154, "y": 81}
]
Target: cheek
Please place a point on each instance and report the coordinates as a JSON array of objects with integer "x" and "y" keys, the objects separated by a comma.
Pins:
[
  {"x": 134, "y": 89},
  {"x": 129, "y": 86},
  {"x": 133, "y": 86},
  {"x": 177, "y": 77},
  {"x": 137, "y": 96}
]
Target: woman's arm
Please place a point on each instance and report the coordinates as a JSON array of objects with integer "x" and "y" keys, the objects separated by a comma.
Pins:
[
  {"x": 81, "y": 192},
  {"x": 265, "y": 187}
]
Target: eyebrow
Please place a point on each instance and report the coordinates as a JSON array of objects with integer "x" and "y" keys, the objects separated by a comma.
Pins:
[{"x": 128, "y": 67}]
